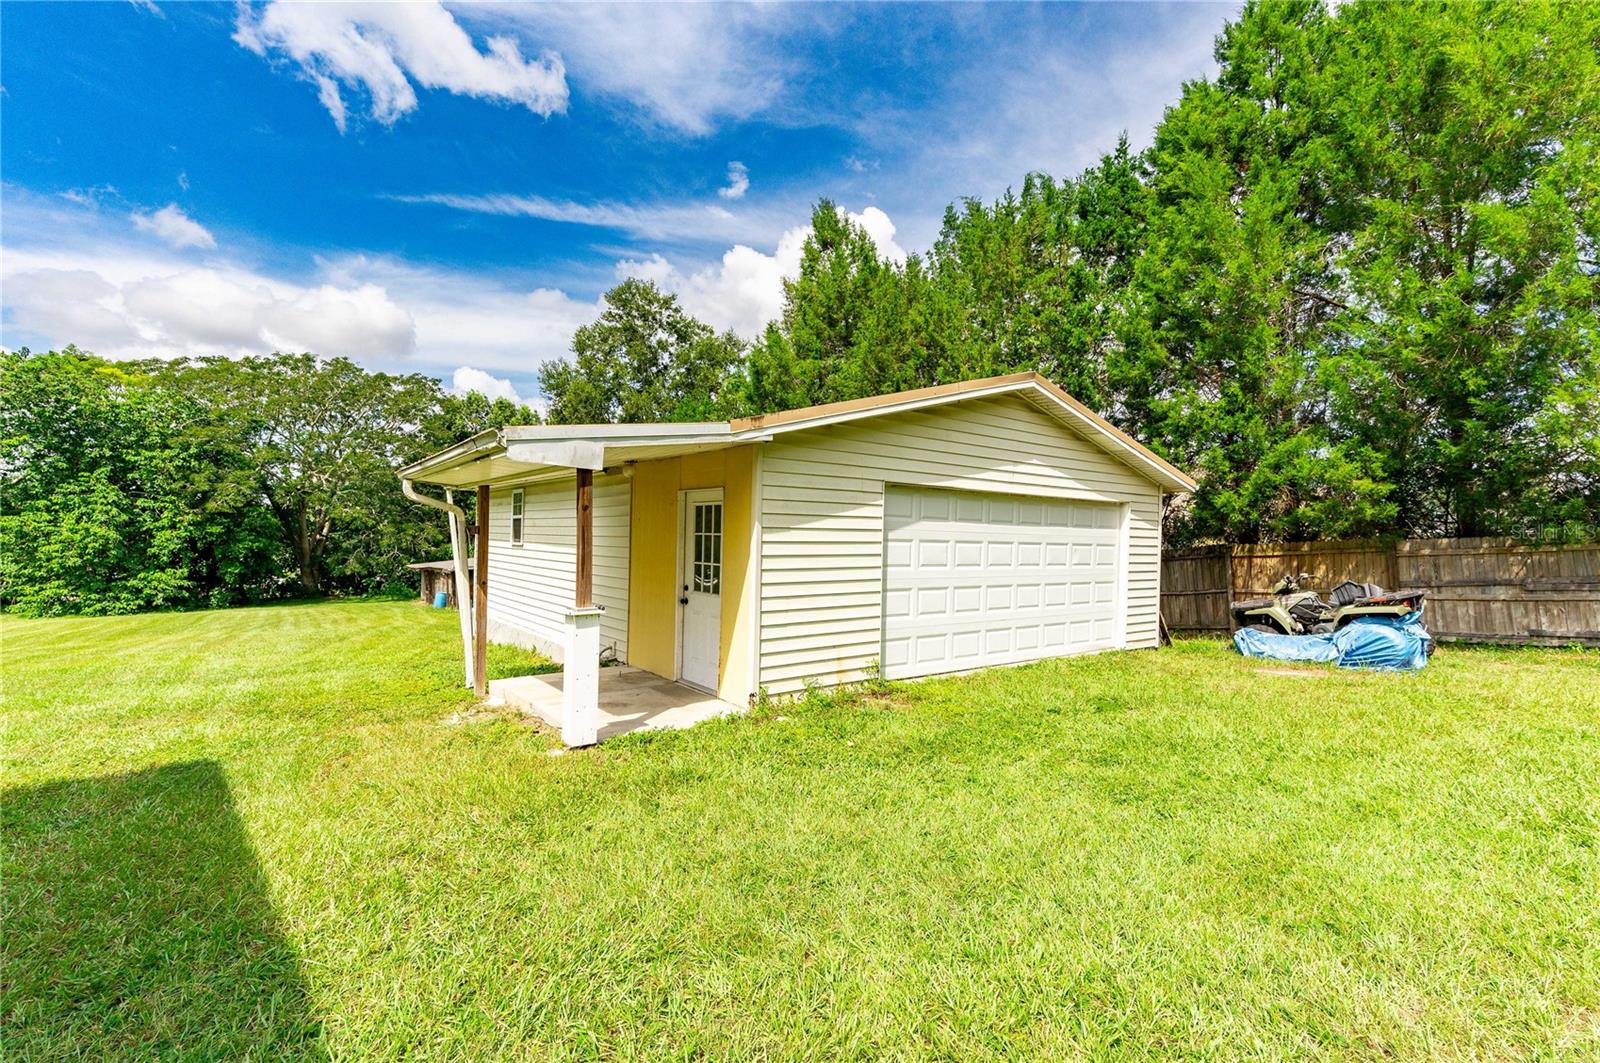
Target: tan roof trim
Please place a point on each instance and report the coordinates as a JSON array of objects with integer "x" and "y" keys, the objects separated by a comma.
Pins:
[
  {"x": 1112, "y": 430},
  {"x": 872, "y": 402},
  {"x": 789, "y": 419}
]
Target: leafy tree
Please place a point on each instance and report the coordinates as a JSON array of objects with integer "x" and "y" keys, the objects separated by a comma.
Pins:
[
  {"x": 458, "y": 416},
  {"x": 178, "y": 483},
  {"x": 118, "y": 494},
  {"x": 1352, "y": 284},
  {"x": 1027, "y": 300},
  {"x": 324, "y": 439},
  {"x": 644, "y": 359},
  {"x": 1368, "y": 300}
]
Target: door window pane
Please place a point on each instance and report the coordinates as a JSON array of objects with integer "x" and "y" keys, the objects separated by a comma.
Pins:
[{"x": 706, "y": 552}]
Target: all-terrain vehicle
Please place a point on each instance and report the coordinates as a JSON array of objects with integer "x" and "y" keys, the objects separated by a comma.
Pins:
[{"x": 1295, "y": 609}]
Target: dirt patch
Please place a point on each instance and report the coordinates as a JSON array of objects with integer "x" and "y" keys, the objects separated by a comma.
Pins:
[{"x": 479, "y": 714}]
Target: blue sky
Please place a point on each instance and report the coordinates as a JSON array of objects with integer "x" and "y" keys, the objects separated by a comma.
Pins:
[{"x": 450, "y": 189}]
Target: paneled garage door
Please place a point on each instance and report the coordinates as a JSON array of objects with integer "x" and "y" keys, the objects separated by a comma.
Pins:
[{"x": 974, "y": 579}]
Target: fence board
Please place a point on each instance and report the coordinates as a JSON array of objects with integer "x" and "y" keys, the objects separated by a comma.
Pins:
[
  {"x": 1194, "y": 589},
  {"x": 1491, "y": 590},
  {"x": 1499, "y": 591}
]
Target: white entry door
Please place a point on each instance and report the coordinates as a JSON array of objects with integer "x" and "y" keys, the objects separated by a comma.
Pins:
[
  {"x": 972, "y": 580},
  {"x": 700, "y": 593}
]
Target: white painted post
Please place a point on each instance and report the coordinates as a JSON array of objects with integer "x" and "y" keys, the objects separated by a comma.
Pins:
[
  {"x": 580, "y": 678},
  {"x": 463, "y": 582}
]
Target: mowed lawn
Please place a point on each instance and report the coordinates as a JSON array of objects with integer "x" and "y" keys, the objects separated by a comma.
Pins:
[{"x": 283, "y": 833}]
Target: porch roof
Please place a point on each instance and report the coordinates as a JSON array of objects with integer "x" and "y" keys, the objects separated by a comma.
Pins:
[{"x": 530, "y": 451}]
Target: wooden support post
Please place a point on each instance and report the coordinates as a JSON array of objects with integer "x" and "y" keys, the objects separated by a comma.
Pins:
[
  {"x": 583, "y": 595},
  {"x": 480, "y": 599}
]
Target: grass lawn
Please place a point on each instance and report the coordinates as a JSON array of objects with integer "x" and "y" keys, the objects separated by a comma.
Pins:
[{"x": 278, "y": 833}]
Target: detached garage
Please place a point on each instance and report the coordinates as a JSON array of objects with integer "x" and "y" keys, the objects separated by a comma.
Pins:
[{"x": 983, "y": 523}]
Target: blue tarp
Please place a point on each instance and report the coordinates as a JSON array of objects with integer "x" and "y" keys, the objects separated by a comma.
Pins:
[{"x": 1392, "y": 643}]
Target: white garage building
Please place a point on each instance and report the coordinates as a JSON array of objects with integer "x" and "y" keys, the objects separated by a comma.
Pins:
[{"x": 989, "y": 522}]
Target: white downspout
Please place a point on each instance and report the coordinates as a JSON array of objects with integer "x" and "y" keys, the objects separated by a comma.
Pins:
[{"x": 458, "y": 535}]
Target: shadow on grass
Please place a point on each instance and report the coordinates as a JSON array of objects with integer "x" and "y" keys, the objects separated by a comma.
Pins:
[{"x": 137, "y": 924}]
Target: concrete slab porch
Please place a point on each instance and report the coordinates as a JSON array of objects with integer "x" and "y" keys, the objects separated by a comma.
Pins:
[{"x": 631, "y": 699}]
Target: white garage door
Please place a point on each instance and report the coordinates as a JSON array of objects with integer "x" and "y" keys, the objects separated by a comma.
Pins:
[{"x": 972, "y": 580}]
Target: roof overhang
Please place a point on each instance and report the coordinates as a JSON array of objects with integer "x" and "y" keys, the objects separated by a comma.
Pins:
[
  {"x": 533, "y": 452},
  {"x": 539, "y": 451}
]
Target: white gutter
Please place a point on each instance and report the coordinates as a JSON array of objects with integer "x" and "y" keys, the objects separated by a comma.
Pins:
[
  {"x": 458, "y": 535},
  {"x": 453, "y": 455}
]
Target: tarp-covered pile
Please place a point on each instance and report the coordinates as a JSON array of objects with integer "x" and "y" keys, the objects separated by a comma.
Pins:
[{"x": 1392, "y": 643}]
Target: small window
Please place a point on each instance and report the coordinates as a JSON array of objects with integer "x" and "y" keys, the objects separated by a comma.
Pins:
[{"x": 516, "y": 517}]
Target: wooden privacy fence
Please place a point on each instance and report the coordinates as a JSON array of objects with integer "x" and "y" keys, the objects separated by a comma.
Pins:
[{"x": 1485, "y": 590}]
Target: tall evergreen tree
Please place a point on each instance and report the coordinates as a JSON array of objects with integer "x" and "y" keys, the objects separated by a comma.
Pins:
[
  {"x": 1465, "y": 342},
  {"x": 853, "y": 324}
]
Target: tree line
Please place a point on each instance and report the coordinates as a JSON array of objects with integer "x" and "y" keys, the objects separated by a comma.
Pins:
[
  {"x": 215, "y": 481},
  {"x": 1353, "y": 286}
]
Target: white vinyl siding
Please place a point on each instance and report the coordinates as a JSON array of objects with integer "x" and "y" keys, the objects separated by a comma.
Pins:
[
  {"x": 531, "y": 586},
  {"x": 822, "y": 521}
]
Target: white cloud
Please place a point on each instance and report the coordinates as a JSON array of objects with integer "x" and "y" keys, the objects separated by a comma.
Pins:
[
  {"x": 124, "y": 308},
  {"x": 744, "y": 289},
  {"x": 76, "y": 305},
  {"x": 175, "y": 227},
  {"x": 738, "y": 181},
  {"x": 693, "y": 221},
  {"x": 472, "y": 318},
  {"x": 466, "y": 379},
  {"x": 882, "y": 231},
  {"x": 69, "y": 276},
  {"x": 383, "y": 48},
  {"x": 332, "y": 102},
  {"x": 72, "y": 274},
  {"x": 684, "y": 66}
]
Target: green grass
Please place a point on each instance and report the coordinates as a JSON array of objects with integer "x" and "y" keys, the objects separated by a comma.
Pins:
[{"x": 279, "y": 832}]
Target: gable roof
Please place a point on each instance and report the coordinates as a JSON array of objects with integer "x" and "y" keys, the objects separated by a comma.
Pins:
[
  {"x": 521, "y": 451},
  {"x": 1033, "y": 386}
]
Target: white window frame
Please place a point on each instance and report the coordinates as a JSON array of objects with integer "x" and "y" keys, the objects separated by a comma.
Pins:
[{"x": 518, "y": 508}]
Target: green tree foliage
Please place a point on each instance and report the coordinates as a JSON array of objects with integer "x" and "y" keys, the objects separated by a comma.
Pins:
[
  {"x": 1463, "y": 352},
  {"x": 206, "y": 482},
  {"x": 853, "y": 324},
  {"x": 1035, "y": 275},
  {"x": 324, "y": 439},
  {"x": 1364, "y": 305},
  {"x": 1352, "y": 285},
  {"x": 1226, "y": 313},
  {"x": 644, "y": 359},
  {"x": 119, "y": 494}
]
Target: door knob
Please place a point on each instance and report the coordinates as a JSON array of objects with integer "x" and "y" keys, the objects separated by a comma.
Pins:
[{"x": 684, "y": 600}]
